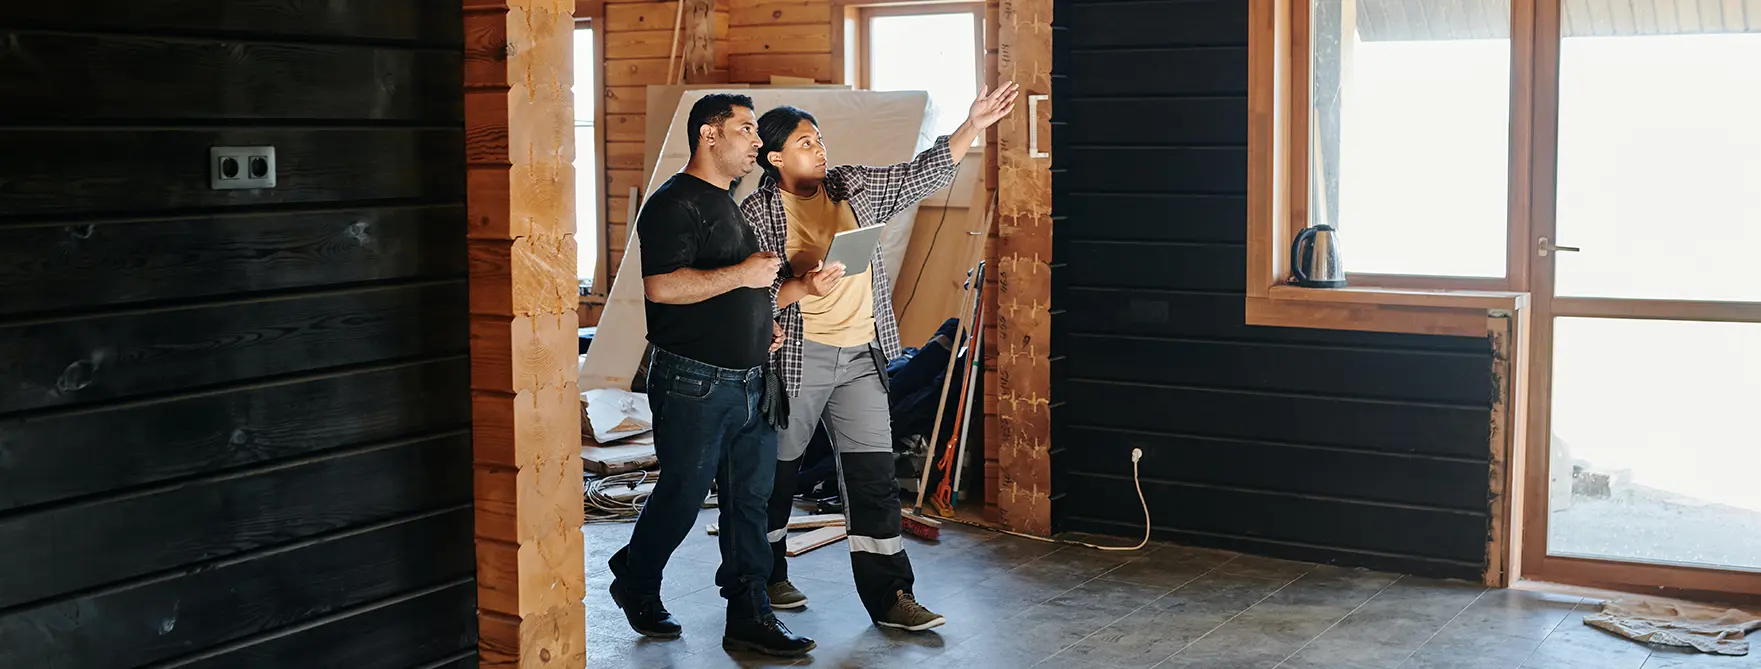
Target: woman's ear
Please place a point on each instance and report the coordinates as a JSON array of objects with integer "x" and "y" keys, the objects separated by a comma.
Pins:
[{"x": 775, "y": 158}]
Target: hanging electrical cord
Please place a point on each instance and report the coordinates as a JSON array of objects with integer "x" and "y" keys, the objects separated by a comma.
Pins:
[
  {"x": 1136, "y": 454},
  {"x": 601, "y": 507}
]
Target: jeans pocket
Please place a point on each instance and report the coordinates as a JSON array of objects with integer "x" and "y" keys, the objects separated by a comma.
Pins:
[{"x": 689, "y": 387}]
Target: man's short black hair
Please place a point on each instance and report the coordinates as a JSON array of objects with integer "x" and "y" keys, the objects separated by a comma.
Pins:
[
  {"x": 774, "y": 129},
  {"x": 711, "y": 110}
]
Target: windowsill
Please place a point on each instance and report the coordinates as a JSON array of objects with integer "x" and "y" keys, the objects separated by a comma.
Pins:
[
  {"x": 1461, "y": 313},
  {"x": 1405, "y": 297}
]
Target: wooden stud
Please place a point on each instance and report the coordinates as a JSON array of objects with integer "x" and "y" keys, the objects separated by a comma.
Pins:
[
  {"x": 1024, "y": 274},
  {"x": 519, "y": 120}
]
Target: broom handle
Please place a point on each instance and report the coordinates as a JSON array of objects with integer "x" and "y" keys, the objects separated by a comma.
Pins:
[
  {"x": 929, "y": 457},
  {"x": 975, "y": 357}
]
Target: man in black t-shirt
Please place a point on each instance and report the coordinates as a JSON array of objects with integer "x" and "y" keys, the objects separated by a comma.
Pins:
[{"x": 710, "y": 321}]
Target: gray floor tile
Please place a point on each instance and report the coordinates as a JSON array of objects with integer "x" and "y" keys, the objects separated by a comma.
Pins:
[
  {"x": 1274, "y": 629},
  {"x": 610, "y": 651},
  {"x": 1384, "y": 632},
  {"x": 1169, "y": 566},
  {"x": 1517, "y": 613},
  {"x": 1574, "y": 645},
  {"x": 829, "y": 622},
  {"x": 1264, "y": 567},
  {"x": 1167, "y": 625},
  {"x": 1463, "y": 647},
  {"x": 882, "y": 649}
]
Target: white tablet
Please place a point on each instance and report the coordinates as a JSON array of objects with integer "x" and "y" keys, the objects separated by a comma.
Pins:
[{"x": 854, "y": 248}]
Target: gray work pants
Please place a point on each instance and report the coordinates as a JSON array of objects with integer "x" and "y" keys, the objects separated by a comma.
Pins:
[{"x": 846, "y": 388}]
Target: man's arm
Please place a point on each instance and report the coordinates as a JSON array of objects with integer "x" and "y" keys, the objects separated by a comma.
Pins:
[
  {"x": 669, "y": 232},
  {"x": 690, "y": 286}
]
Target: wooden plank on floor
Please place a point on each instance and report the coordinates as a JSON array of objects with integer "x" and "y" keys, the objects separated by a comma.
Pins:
[
  {"x": 815, "y": 539},
  {"x": 799, "y": 522}
]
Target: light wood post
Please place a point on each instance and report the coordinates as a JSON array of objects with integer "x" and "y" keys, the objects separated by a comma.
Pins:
[
  {"x": 1024, "y": 273},
  {"x": 519, "y": 129}
]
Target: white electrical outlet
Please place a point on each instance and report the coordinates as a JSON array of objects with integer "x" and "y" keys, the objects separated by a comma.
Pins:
[{"x": 241, "y": 167}]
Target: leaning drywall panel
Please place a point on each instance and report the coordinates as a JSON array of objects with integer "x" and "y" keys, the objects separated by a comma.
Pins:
[{"x": 860, "y": 127}]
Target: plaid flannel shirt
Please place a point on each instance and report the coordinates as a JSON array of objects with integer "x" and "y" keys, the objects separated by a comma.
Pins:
[{"x": 875, "y": 194}]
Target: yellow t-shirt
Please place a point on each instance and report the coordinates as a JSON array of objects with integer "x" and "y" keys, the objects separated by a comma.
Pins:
[{"x": 844, "y": 316}]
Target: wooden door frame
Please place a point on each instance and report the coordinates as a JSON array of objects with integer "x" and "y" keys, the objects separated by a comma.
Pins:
[
  {"x": 1536, "y": 565},
  {"x": 525, "y": 405}
]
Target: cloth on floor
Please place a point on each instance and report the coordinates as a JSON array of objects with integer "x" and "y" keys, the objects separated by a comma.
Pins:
[{"x": 1703, "y": 628}]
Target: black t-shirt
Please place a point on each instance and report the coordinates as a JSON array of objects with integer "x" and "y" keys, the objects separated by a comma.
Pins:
[{"x": 689, "y": 222}]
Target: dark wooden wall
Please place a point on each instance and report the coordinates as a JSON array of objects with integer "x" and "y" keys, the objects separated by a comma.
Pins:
[
  {"x": 1356, "y": 448},
  {"x": 234, "y": 425}
]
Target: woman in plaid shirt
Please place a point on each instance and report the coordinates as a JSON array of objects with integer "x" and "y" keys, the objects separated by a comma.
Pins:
[{"x": 839, "y": 331}]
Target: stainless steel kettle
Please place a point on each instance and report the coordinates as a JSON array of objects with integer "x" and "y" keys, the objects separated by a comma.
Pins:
[{"x": 1314, "y": 258}]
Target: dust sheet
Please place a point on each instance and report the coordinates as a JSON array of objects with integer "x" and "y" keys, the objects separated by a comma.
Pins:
[{"x": 1703, "y": 628}]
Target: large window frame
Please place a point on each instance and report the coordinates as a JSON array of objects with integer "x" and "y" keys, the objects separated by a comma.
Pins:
[
  {"x": 861, "y": 19},
  {"x": 1519, "y": 330},
  {"x": 600, "y": 282},
  {"x": 1279, "y": 141}
]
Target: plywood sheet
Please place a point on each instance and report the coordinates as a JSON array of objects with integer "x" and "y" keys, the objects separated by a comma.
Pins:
[{"x": 860, "y": 127}]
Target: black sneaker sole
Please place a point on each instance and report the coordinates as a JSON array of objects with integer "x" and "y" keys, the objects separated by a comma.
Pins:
[{"x": 738, "y": 645}]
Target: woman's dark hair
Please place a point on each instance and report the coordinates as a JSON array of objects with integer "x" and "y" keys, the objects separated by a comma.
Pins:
[
  {"x": 774, "y": 128},
  {"x": 712, "y": 109}
]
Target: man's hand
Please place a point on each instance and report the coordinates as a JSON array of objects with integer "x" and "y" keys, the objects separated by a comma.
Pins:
[
  {"x": 776, "y": 336},
  {"x": 991, "y": 106},
  {"x": 823, "y": 278},
  {"x": 759, "y": 270}
]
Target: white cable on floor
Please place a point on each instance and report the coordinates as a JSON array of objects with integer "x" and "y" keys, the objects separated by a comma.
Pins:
[
  {"x": 602, "y": 508},
  {"x": 1136, "y": 454}
]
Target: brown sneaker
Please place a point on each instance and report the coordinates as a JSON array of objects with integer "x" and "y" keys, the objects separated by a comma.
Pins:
[
  {"x": 909, "y": 615},
  {"x": 783, "y": 595}
]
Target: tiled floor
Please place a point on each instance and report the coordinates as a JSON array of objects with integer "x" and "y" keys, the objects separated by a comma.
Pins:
[{"x": 1015, "y": 603}]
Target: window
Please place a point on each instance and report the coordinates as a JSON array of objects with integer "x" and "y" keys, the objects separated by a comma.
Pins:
[
  {"x": 933, "y": 48},
  {"x": 1411, "y": 119},
  {"x": 587, "y": 228}
]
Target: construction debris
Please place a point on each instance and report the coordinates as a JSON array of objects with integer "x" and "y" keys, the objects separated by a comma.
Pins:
[{"x": 627, "y": 456}]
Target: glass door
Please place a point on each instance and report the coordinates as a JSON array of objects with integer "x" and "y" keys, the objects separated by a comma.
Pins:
[{"x": 1646, "y": 271}]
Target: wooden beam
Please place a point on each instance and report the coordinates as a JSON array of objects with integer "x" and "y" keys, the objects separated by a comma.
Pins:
[
  {"x": 699, "y": 40},
  {"x": 525, "y": 406},
  {"x": 1024, "y": 270}
]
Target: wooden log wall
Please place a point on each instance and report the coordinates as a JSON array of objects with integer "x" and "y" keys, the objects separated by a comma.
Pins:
[
  {"x": 234, "y": 425},
  {"x": 525, "y": 405}
]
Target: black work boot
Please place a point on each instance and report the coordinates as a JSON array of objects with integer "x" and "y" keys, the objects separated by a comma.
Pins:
[
  {"x": 765, "y": 635},
  {"x": 647, "y": 616}
]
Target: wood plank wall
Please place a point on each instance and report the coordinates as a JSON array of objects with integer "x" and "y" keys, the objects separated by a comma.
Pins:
[
  {"x": 637, "y": 37},
  {"x": 793, "y": 38},
  {"x": 234, "y": 425},
  {"x": 1357, "y": 448}
]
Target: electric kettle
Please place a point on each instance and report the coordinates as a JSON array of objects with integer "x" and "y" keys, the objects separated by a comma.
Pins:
[{"x": 1314, "y": 258}]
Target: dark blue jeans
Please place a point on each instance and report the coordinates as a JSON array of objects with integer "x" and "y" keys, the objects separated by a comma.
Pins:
[{"x": 707, "y": 426}]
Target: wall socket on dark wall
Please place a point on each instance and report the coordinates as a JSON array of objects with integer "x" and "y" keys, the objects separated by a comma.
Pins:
[{"x": 240, "y": 167}]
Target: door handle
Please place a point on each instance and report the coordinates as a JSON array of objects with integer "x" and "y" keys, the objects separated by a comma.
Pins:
[
  {"x": 1545, "y": 246},
  {"x": 1033, "y": 126}
]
